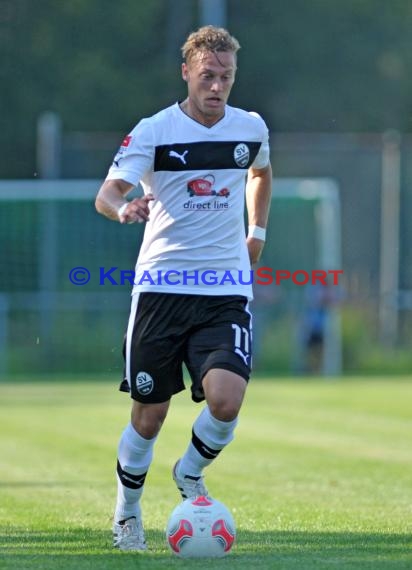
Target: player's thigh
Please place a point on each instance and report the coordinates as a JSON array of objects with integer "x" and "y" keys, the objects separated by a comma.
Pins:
[
  {"x": 224, "y": 343},
  {"x": 154, "y": 350}
]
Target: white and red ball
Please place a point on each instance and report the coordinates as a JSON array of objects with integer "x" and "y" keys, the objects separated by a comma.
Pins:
[{"x": 199, "y": 528}]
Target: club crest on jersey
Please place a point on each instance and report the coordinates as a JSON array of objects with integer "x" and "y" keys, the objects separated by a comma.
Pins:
[
  {"x": 241, "y": 154},
  {"x": 144, "y": 383}
]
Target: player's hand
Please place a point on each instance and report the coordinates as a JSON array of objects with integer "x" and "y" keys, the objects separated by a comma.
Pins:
[
  {"x": 137, "y": 210},
  {"x": 255, "y": 247}
]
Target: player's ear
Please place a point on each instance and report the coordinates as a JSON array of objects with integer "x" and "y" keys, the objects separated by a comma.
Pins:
[{"x": 185, "y": 72}]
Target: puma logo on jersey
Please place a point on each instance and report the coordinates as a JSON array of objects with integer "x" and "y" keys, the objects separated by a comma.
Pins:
[{"x": 181, "y": 157}]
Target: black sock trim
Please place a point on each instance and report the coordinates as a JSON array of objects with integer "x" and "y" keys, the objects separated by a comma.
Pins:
[
  {"x": 124, "y": 521},
  {"x": 204, "y": 450},
  {"x": 128, "y": 480}
]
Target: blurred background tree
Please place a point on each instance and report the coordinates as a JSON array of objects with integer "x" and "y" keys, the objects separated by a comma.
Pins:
[
  {"x": 329, "y": 77},
  {"x": 320, "y": 66}
]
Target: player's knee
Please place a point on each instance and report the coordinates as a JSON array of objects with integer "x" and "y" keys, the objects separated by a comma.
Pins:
[
  {"x": 148, "y": 419},
  {"x": 223, "y": 410},
  {"x": 224, "y": 392}
]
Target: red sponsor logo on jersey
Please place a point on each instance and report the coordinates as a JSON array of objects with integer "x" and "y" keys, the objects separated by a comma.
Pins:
[
  {"x": 204, "y": 187},
  {"x": 126, "y": 141}
]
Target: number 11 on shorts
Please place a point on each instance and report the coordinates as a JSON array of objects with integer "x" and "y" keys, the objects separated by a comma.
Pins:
[{"x": 242, "y": 343}]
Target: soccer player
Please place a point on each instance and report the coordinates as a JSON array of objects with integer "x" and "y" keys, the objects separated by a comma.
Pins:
[{"x": 192, "y": 280}]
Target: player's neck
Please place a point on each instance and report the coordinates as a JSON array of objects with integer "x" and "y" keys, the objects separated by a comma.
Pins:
[{"x": 194, "y": 113}]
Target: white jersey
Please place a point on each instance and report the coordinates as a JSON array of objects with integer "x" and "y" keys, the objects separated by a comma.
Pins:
[{"x": 195, "y": 239}]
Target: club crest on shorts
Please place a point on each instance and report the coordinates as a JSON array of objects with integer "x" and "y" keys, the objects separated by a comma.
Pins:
[
  {"x": 241, "y": 154},
  {"x": 144, "y": 383}
]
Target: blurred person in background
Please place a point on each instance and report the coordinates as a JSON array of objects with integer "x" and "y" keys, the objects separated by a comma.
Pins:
[{"x": 319, "y": 299}]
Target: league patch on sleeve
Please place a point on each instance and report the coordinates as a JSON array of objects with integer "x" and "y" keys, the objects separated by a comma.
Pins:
[
  {"x": 126, "y": 141},
  {"x": 122, "y": 149}
]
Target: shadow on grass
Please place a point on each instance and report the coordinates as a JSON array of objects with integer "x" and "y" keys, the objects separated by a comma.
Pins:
[{"x": 281, "y": 550}]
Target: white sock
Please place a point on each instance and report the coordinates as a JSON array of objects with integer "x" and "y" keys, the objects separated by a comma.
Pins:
[
  {"x": 209, "y": 437},
  {"x": 135, "y": 455}
]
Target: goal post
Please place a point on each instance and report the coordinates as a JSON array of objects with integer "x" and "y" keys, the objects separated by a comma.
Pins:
[{"x": 305, "y": 234}]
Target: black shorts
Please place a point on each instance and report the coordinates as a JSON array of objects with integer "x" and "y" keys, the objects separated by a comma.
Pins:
[{"x": 167, "y": 330}]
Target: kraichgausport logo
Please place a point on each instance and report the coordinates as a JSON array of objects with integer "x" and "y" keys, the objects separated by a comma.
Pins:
[
  {"x": 144, "y": 383},
  {"x": 261, "y": 276}
]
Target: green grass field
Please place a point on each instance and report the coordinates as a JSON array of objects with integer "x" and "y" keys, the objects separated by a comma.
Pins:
[{"x": 318, "y": 477}]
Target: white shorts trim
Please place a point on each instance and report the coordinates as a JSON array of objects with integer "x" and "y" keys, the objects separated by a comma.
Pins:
[{"x": 129, "y": 334}]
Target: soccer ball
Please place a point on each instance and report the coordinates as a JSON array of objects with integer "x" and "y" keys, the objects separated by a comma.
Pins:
[{"x": 199, "y": 528}]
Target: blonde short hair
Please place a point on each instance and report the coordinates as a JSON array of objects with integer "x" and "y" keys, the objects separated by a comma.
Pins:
[{"x": 209, "y": 38}]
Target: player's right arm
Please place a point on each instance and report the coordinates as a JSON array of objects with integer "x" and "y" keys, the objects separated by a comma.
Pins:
[
  {"x": 133, "y": 159},
  {"x": 112, "y": 197}
]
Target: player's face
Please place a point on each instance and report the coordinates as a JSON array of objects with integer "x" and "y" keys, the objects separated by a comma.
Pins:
[{"x": 210, "y": 77}]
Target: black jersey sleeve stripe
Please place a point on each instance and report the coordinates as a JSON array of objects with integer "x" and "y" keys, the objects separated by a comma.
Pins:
[{"x": 217, "y": 155}]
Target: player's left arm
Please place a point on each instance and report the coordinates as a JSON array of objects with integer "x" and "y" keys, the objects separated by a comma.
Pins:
[{"x": 258, "y": 199}]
